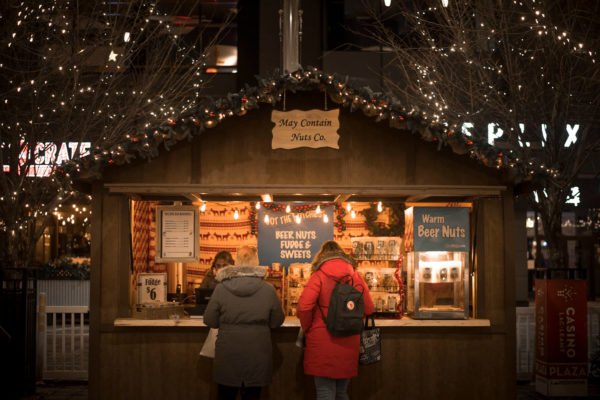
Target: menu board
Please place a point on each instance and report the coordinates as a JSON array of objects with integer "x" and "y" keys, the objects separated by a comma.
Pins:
[
  {"x": 176, "y": 234},
  {"x": 293, "y": 237}
]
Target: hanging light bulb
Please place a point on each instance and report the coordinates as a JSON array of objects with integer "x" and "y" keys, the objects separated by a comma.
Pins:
[
  {"x": 236, "y": 214},
  {"x": 325, "y": 218},
  {"x": 387, "y": 3},
  {"x": 379, "y": 207},
  {"x": 266, "y": 219},
  {"x": 318, "y": 210},
  {"x": 353, "y": 214},
  {"x": 257, "y": 205},
  {"x": 298, "y": 219},
  {"x": 203, "y": 206},
  {"x": 348, "y": 207},
  {"x": 288, "y": 209}
]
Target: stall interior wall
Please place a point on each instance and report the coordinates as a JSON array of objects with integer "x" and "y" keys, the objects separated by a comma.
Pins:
[{"x": 219, "y": 230}]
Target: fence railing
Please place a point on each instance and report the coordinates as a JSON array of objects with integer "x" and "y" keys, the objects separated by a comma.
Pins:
[
  {"x": 65, "y": 292},
  {"x": 63, "y": 341}
]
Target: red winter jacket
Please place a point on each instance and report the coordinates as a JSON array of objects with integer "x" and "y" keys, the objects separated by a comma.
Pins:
[{"x": 325, "y": 355}]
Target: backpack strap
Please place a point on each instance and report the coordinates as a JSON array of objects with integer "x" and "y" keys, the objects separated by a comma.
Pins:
[{"x": 318, "y": 305}]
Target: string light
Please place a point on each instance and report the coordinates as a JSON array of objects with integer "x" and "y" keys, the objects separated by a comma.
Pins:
[
  {"x": 298, "y": 219},
  {"x": 379, "y": 207},
  {"x": 257, "y": 205},
  {"x": 203, "y": 206},
  {"x": 288, "y": 209},
  {"x": 236, "y": 214},
  {"x": 325, "y": 218},
  {"x": 266, "y": 219},
  {"x": 348, "y": 207},
  {"x": 318, "y": 209}
]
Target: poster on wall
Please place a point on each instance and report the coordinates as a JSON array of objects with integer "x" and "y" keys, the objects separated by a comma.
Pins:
[
  {"x": 177, "y": 234},
  {"x": 293, "y": 237}
]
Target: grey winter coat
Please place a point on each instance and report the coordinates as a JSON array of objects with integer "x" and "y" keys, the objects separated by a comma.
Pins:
[{"x": 244, "y": 307}]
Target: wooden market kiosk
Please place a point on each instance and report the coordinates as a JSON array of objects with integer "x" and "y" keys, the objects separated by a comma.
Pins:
[{"x": 471, "y": 358}]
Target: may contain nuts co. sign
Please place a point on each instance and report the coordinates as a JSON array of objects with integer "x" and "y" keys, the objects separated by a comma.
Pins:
[{"x": 310, "y": 128}]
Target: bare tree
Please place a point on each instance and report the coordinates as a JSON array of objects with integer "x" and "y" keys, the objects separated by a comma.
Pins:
[
  {"x": 522, "y": 76},
  {"x": 75, "y": 72}
]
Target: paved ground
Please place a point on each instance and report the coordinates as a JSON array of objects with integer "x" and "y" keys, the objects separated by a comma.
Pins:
[
  {"x": 60, "y": 390},
  {"x": 79, "y": 391}
]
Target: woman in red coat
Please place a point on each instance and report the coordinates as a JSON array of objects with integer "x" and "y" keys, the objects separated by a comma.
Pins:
[{"x": 331, "y": 360}]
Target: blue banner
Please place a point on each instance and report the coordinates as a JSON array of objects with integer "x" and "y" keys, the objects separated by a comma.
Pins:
[
  {"x": 283, "y": 239},
  {"x": 441, "y": 228}
]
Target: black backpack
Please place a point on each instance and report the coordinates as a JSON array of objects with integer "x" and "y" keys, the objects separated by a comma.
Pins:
[{"x": 346, "y": 309}]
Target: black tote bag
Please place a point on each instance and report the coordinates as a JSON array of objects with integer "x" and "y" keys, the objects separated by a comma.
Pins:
[{"x": 370, "y": 343}]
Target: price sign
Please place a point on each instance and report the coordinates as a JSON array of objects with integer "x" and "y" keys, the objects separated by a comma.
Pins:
[{"x": 151, "y": 288}]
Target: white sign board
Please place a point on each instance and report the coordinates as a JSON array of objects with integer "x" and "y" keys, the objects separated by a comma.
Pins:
[
  {"x": 151, "y": 288},
  {"x": 310, "y": 128},
  {"x": 177, "y": 234}
]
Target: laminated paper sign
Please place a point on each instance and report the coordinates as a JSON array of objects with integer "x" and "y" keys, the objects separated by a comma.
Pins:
[
  {"x": 151, "y": 288},
  {"x": 310, "y": 128}
]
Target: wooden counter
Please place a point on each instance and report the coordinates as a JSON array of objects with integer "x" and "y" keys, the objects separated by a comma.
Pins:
[{"x": 293, "y": 322}]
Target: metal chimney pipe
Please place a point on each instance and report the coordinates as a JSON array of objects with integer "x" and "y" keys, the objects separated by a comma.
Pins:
[{"x": 291, "y": 31}]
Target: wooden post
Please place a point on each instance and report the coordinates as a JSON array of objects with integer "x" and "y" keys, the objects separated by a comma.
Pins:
[{"x": 41, "y": 337}]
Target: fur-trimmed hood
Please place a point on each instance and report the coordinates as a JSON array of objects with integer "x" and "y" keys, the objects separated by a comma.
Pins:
[
  {"x": 330, "y": 255},
  {"x": 235, "y": 271},
  {"x": 242, "y": 280}
]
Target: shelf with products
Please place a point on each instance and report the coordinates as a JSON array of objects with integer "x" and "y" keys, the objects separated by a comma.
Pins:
[
  {"x": 378, "y": 259},
  {"x": 296, "y": 278},
  {"x": 277, "y": 279}
]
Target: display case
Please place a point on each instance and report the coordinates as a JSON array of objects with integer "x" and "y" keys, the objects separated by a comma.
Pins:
[
  {"x": 437, "y": 258},
  {"x": 378, "y": 260},
  {"x": 440, "y": 282}
]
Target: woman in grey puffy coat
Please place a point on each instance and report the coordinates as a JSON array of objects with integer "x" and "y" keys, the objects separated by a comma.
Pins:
[{"x": 244, "y": 308}]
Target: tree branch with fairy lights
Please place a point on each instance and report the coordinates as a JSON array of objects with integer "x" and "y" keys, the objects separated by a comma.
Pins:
[
  {"x": 522, "y": 76},
  {"x": 75, "y": 73}
]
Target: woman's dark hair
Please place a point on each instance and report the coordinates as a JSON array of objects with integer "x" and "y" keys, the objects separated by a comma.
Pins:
[
  {"x": 330, "y": 246},
  {"x": 223, "y": 255}
]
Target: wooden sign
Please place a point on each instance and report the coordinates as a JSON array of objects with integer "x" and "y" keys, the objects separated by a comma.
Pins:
[{"x": 310, "y": 128}]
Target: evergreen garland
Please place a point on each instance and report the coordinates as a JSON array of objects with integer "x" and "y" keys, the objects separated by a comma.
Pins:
[
  {"x": 396, "y": 226},
  {"x": 339, "y": 211}
]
